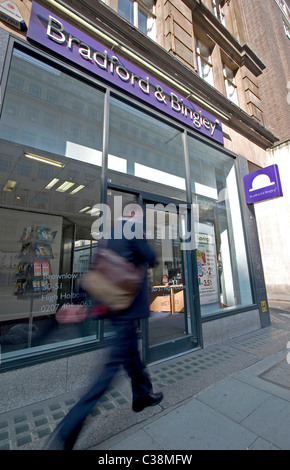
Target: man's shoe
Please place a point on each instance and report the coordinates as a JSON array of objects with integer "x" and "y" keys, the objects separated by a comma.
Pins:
[{"x": 151, "y": 400}]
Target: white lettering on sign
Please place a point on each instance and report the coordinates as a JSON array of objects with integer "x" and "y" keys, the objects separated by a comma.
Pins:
[
  {"x": 196, "y": 117},
  {"x": 55, "y": 32},
  {"x": 111, "y": 65}
]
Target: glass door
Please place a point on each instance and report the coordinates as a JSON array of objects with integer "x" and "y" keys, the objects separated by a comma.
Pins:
[{"x": 171, "y": 326}]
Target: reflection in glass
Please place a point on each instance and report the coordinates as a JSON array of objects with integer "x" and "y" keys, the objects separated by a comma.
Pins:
[
  {"x": 146, "y": 148},
  {"x": 48, "y": 109},
  {"x": 223, "y": 273},
  {"x": 167, "y": 320},
  {"x": 45, "y": 246}
]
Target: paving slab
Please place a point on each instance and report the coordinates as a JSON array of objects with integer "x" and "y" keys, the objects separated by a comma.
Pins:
[
  {"x": 233, "y": 398},
  {"x": 196, "y": 426},
  {"x": 272, "y": 374},
  {"x": 193, "y": 426},
  {"x": 271, "y": 422},
  {"x": 262, "y": 444}
]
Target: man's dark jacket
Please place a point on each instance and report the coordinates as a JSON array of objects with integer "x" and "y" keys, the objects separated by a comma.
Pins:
[{"x": 140, "y": 252}]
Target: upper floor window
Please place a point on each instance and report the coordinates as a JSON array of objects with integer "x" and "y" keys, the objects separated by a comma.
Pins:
[
  {"x": 140, "y": 14},
  {"x": 218, "y": 10},
  {"x": 230, "y": 85},
  {"x": 284, "y": 8},
  {"x": 203, "y": 62}
]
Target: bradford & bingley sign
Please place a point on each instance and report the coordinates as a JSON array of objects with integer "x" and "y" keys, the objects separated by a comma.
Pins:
[{"x": 50, "y": 31}]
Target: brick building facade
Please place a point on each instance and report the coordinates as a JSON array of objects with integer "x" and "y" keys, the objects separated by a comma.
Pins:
[{"x": 268, "y": 26}]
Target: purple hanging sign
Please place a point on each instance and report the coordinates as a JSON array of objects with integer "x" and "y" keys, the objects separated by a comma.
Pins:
[
  {"x": 52, "y": 32},
  {"x": 263, "y": 184}
]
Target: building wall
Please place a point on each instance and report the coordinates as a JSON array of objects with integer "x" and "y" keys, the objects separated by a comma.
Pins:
[
  {"x": 185, "y": 25},
  {"x": 274, "y": 236},
  {"x": 266, "y": 26},
  {"x": 177, "y": 37},
  {"x": 240, "y": 144},
  {"x": 266, "y": 33}
]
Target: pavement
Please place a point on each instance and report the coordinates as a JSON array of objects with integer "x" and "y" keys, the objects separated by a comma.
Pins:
[{"x": 233, "y": 395}]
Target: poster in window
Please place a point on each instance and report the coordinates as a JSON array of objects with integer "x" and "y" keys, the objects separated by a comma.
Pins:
[{"x": 207, "y": 264}]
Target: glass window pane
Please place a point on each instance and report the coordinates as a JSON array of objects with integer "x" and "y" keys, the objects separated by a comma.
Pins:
[
  {"x": 125, "y": 9},
  {"x": 231, "y": 92},
  {"x": 48, "y": 192},
  {"x": 53, "y": 111},
  {"x": 142, "y": 20},
  {"x": 223, "y": 272},
  {"x": 230, "y": 86},
  {"x": 205, "y": 71},
  {"x": 168, "y": 319},
  {"x": 204, "y": 51},
  {"x": 138, "y": 16},
  {"x": 147, "y": 149},
  {"x": 204, "y": 67}
]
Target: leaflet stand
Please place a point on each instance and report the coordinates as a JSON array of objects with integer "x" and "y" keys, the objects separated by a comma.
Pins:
[{"x": 34, "y": 267}]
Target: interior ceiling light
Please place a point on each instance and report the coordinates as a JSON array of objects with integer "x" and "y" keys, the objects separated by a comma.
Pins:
[
  {"x": 48, "y": 161},
  {"x": 52, "y": 183},
  {"x": 76, "y": 190},
  {"x": 189, "y": 94},
  {"x": 65, "y": 186},
  {"x": 9, "y": 186},
  {"x": 93, "y": 211},
  {"x": 85, "y": 209}
]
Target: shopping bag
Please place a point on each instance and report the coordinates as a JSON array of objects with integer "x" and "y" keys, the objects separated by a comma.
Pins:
[
  {"x": 113, "y": 280},
  {"x": 71, "y": 313}
]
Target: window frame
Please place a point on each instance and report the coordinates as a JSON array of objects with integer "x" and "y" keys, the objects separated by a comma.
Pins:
[
  {"x": 230, "y": 83},
  {"x": 138, "y": 7},
  {"x": 217, "y": 9},
  {"x": 206, "y": 60}
]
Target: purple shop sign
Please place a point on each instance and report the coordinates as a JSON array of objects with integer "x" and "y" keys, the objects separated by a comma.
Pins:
[
  {"x": 57, "y": 35},
  {"x": 263, "y": 184}
]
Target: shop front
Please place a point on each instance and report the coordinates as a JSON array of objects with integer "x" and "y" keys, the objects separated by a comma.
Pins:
[{"x": 81, "y": 128}]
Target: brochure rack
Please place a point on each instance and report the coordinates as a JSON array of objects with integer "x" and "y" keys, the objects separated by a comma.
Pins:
[{"x": 34, "y": 266}]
